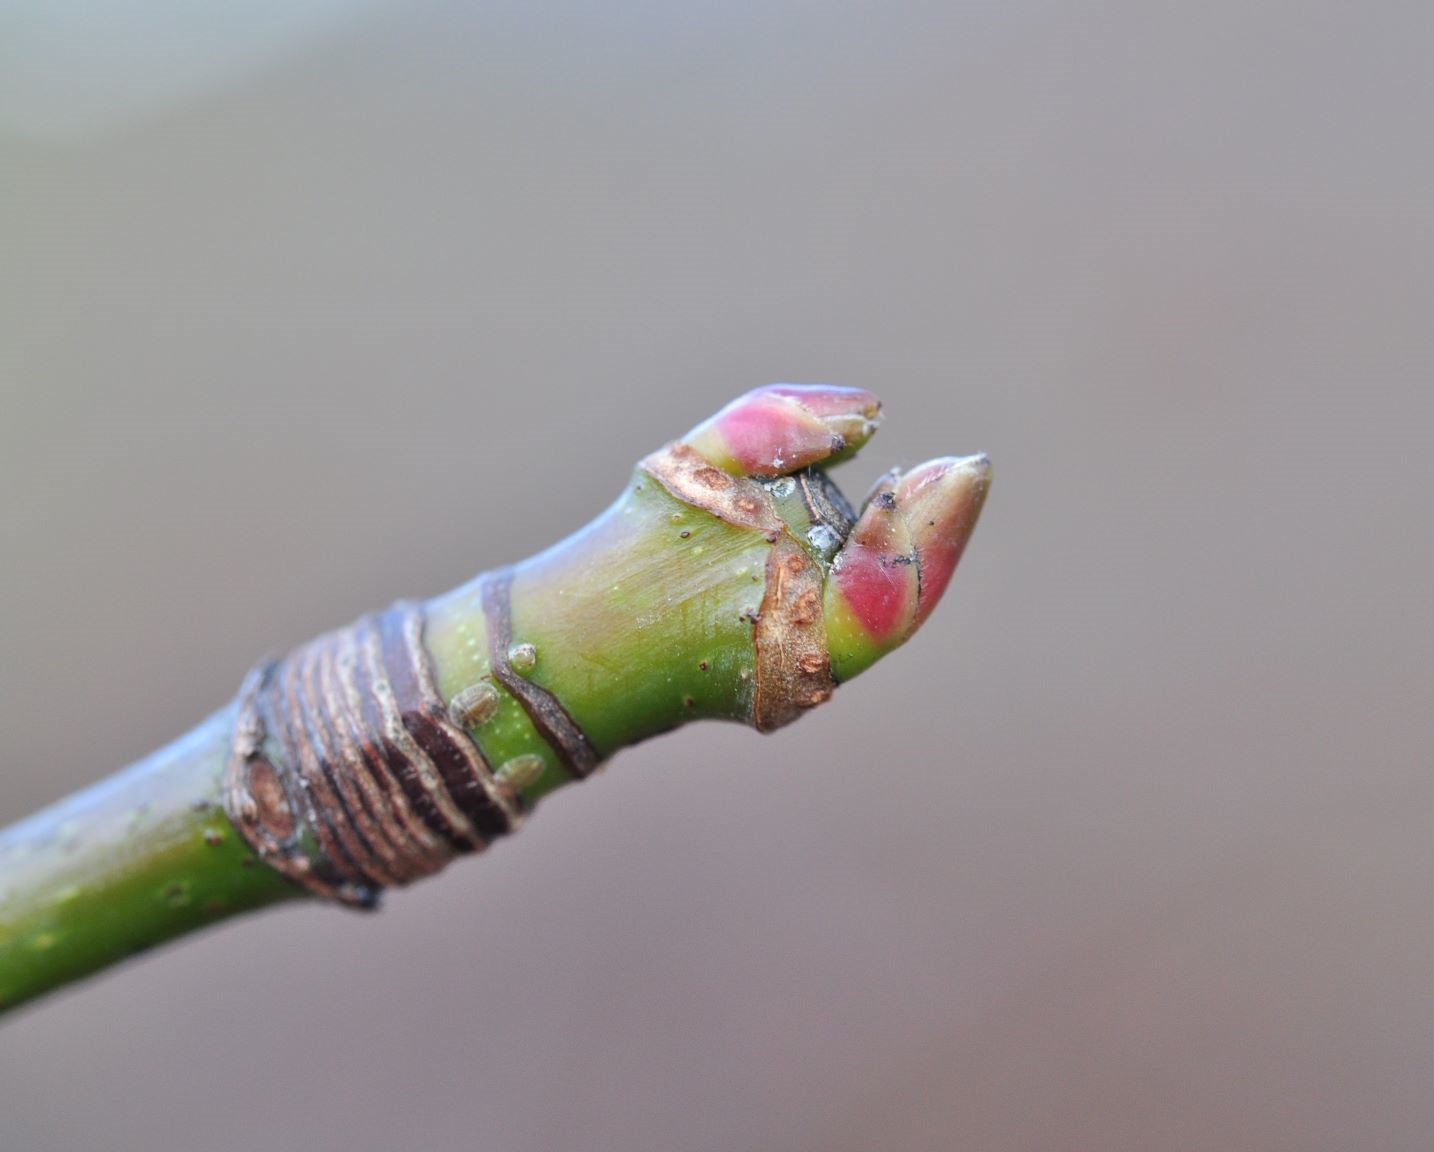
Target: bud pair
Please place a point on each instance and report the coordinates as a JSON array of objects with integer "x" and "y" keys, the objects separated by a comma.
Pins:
[{"x": 899, "y": 556}]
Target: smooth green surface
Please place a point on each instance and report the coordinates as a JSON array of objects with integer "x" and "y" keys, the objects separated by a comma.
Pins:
[
  {"x": 622, "y": 617},
  {"x": 643, "y": 620},
  {"x": 457, "y": 639},
  {"x": 137, "y": 859},
  {"x": 639, "y": 622}
]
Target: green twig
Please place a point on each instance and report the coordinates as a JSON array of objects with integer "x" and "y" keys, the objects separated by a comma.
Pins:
[{"x": 730, "y": 580}]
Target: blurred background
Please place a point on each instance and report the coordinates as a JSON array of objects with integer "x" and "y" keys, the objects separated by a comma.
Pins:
[{"x": 308, "y": 306}]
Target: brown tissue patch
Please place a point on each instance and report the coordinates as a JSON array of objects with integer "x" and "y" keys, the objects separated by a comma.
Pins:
[
  {"x": 813, "y": 663},
  {"x": 271, "y": 807},
  {"x": 688, "y": 476},
  {"x": 793, "y": 671},
  {"x": 713, "y": 478}
]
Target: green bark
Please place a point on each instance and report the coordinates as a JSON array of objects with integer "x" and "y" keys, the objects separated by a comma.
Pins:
[
  {"x": 630, "y": 656},
  {"x": 134, "y": 861}
]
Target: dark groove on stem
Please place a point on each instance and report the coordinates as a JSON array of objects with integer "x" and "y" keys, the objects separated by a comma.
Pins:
[
  {"x": 331, "y": 722},
  {"x": 463, "y": 776},
  {"x": 400, "y": 766},
  {"x": 544, "y": 709},
  {"x": 318, "y": 803},
  {"x": 378, "y": 859},
  {"x": 413, "y": 839}
]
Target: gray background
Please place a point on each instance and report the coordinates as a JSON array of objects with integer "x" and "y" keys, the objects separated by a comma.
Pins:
[{"x": 1129, "y": 849}]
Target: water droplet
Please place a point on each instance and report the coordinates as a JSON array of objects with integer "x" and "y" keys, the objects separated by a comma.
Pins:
[
  {"x": 823, "y": 538},
  {"x": 783, "y": 487},
  {"x": 522, "y": 658}
]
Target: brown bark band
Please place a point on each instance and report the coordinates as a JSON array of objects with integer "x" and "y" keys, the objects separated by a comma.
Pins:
[{"x": 346, "y": 774}]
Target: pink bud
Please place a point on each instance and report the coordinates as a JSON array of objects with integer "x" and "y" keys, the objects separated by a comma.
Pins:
[
  {"x": 941, "y": 501},
  {"x": 899, "y": 557},
  {"x": 784, "y": 428}
]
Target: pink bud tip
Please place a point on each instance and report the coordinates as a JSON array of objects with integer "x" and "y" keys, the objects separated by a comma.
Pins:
[
  {"x": 876, "y": 572},
  {"x": 941, "y": 501},
  {"x": 787, "y": 427}
]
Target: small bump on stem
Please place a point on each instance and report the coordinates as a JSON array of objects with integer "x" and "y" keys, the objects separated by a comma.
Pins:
[{"x": 475, "y": 705}]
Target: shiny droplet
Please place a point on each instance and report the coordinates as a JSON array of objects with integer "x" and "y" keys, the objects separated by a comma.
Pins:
[
  {"x": 522, "y": 658},
  {"x": 823, "y": 538}
]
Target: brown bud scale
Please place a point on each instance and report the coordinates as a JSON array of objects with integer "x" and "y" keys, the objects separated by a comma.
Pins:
[{"x": 738, "y": 500}]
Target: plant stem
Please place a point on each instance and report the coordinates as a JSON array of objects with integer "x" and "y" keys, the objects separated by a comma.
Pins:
[
  {"x": 135, "y": 860},
  {"x": 730, "y": 580}
]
